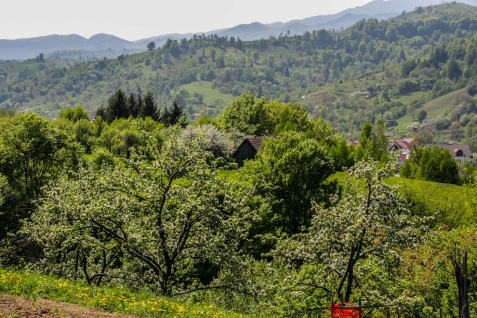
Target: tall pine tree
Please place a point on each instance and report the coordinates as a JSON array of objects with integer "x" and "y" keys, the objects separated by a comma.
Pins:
[{"x": 149, "y": 108}]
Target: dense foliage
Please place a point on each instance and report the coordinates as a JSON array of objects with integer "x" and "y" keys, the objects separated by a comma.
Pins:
[
  {"x": 144, "y": 198},
  {"x": 431, "y": 164}
]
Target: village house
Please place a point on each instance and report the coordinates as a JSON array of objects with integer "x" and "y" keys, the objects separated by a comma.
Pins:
[
  {"x": 247, "y": 150},
  {"x": 403, "y": 146},
  {"x": 460, "y": 153},
  {"x": 391, "y": 123}
]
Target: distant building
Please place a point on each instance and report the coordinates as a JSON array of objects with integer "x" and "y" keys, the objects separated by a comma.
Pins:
[
  {"x": 391, "y": 123},
  {"x": 247, "y": 150},
  {"x": 388, "y": 134},
  {"x": 402, "y": 146},
  {"x": 461, "y": 153},
  {"x": 403, "y": 158}
]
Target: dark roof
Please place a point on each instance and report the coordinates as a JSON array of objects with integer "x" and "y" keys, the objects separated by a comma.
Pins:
[
  {"x": 454, "y": 148},
  {"x": 256, "y": 142}
]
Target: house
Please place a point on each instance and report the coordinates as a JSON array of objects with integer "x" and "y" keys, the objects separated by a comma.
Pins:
[
  {"x": 391, "y": 123},
  {"x": 247, "y": 150},
  {"x": 388, "y": 134},
  {"x": 402, "y": 158},
  {"x": 461, "y": 153},
  {"x": 402, "y": 145}
]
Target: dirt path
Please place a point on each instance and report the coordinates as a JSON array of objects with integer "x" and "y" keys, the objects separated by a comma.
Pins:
[{"x": 13, "y": 306}]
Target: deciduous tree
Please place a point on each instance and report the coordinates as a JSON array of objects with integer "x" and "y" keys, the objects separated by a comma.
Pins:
[
  {"x": 169, "y": 216},
  {"x": 361, "y": 233},
  {"x": 290, "y": 172}
]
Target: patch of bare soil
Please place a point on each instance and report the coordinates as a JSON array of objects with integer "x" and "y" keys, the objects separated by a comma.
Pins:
[{"x": 16, "y": 307}]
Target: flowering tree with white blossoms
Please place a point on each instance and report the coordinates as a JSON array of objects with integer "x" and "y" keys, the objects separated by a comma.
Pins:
[
  {"x": 359, "y": 237},
  {"x": 163, "y": 215}
]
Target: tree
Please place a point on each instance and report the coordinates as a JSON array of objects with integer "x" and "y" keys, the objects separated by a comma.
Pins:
[
  {"x": 343, "y": 156},
  {"x": 117, "y": 106},
  {"x": 287, "y": 117},
  {"x": 247, "y": 114},
  {"x": 256, "y": 56},
  {"x": 373, "y": 142},
  {"x": 379, "y": 142},
  {"x": 421, "y": 115},
  {"x": 212, "y": 54},
  {"x": 431, "y": 164},
  {"x": 424, "y": 137},
  {"x": 366, "y": 132},
  {"x": 174, "y": 115},
  {"x": 470, "y": 130},
  {"x": 32, "y": 152},
  {"x": 453, "y": 69},
  {"x": 455, "y": 131},
  {"x": 132, "y": 105},
  {"x": 84, "y": 134},
  {"x": 40, "y": 58},
  {"x": 290, "y": 172},
  {"x": 443, "y": 266},
  {"x": 149, "y": 108},
  {"x": 151, "y": 46},
  {"x": 170, "y": 216},
  {"x": 74, "y": 114},
  {"x": 360, "y": 234}
]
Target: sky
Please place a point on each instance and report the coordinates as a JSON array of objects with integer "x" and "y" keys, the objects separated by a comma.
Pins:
[{"x": 139, "y": 19}]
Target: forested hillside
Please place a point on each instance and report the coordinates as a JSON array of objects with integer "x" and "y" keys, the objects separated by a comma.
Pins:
[{"x": 408, "y": 61}]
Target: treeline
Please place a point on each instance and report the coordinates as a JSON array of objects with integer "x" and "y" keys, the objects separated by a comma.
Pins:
[
  {"x": 285, "y": 67},
  {"x": 133, "y": 105}
]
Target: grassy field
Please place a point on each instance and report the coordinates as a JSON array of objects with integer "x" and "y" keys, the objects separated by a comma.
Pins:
[
  {"x": 439, "y": 105},
  {"x": 434, "y": 108},
  {"x": 211, "y": 95},
  {"x": 117, "y": 300},
  {"x": 448, "y": 204}
]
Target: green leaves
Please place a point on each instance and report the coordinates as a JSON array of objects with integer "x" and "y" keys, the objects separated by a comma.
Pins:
[
  {"x": 431, "y": 164},
  {"x": 33, "y": 151},
  {"x": 289, "y": 172},
  {"x": 156, "y": 219},
  {"x": 361, "y": 232}
]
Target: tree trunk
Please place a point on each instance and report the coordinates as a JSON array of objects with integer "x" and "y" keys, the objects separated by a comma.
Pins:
[
  {"x": 349, "y": 286},
  {"x": 462, "y": 286}
]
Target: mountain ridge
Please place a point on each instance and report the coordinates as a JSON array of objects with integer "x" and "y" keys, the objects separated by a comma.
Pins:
[{"x": 379, "y": 9}]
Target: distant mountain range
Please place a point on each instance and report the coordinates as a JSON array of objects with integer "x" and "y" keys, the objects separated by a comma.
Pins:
[{"x": 110, "y": 46}]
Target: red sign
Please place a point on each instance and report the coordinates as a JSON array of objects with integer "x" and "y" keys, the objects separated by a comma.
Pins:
[{"x": 342, "y": 311}]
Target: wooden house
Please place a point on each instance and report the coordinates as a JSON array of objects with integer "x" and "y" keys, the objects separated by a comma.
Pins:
[{"x": 247, "y": 150}]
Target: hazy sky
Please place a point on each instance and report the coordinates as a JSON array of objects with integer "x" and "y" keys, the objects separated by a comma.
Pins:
[{"x": 138, "y": 19}]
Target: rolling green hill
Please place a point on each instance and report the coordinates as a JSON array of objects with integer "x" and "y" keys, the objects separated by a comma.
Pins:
[{"x": 407, "y": 62}]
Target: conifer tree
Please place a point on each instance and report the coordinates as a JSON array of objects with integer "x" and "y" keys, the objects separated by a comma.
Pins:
[
  {"x": 149, "y": 107},
  {"x": 117, "y": 106},
  {"x": 173, "y": 115},
  {"x": 132, "y": 105}
]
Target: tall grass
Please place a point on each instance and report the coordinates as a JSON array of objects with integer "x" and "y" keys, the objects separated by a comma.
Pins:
[{"x": 118, "y": 300}]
